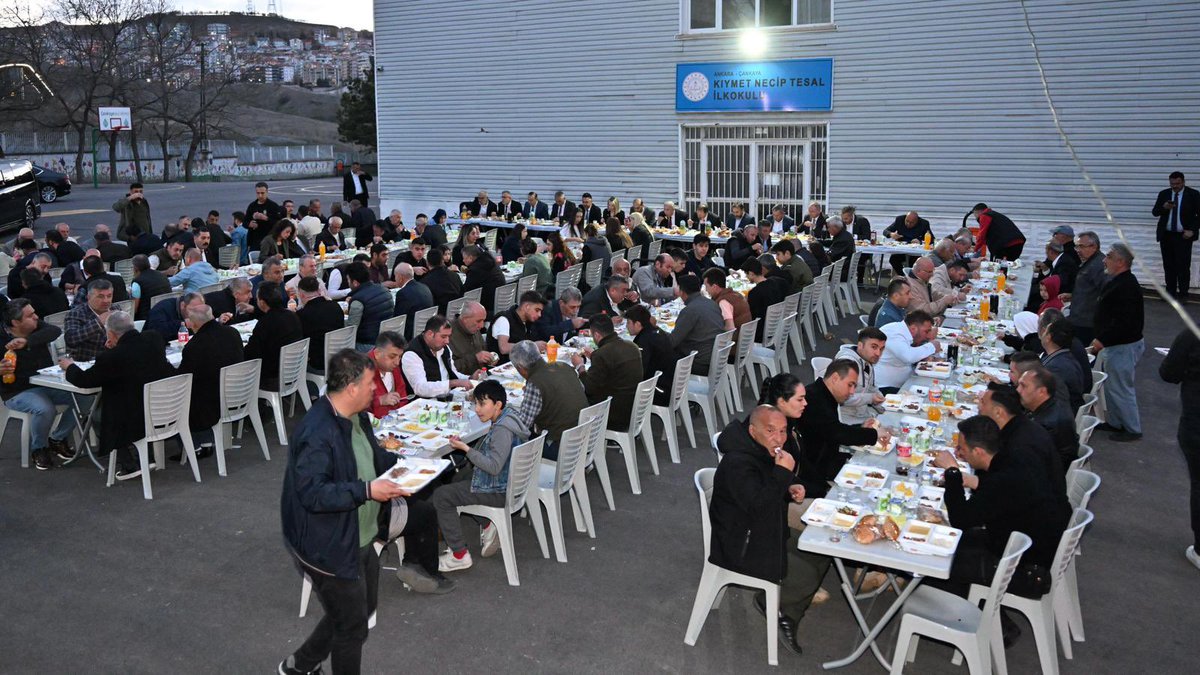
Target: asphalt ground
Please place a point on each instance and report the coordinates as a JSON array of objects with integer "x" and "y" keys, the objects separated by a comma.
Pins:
[{"x": 97, "y": 579}]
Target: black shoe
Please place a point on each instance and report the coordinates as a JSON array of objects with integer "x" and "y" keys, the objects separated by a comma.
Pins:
[
  {"x": 287, "y": 667},
  {"x": 60, "y": 448},
  {"x": 1125, "y": 436},
  {"x": 204, "y": 452},
  {"x": 787, "y": 627},
  {"x": 1105, "y": 426},
  {"x": 42, "y": 460},
  {"x": 1009, "y": 629}
]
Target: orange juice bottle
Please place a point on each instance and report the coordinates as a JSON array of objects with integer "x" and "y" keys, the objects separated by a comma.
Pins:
[
  {"x": 1001, "y": 281},
  {"x": 934, "y": 412},
  {"x": 928, "y": 240},
  {"x": 321, "y": 250},
  {"x": 11, "y": 357},
  {"x": 985, "y": 309},
  {"x": 552, "y": 351}
]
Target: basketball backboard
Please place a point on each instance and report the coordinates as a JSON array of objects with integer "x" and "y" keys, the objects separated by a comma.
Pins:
[{"x": 115, "y": 119}]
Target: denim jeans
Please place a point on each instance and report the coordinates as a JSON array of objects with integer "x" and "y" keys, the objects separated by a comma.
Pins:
[
  {"x": 40, "y": 403},
  {"x": 1119, "y": 362},
  {"x": 348, "y": 604}
]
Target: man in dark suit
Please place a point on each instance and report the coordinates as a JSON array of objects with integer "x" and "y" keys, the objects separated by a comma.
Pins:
[
  {"x": 93, "y": 270},
  {"x": 354, "y": 184},
  {"x": 560, "y": 319},
  {"x": 841, "y": 243},
  {"x": 670, "y": 216},
  {"x": 232, "y": 304},
  {"x": 858, "y": 226},
  {"x": 44, "y": 298},
  {"x": 276, "y": 328},
  {"x": 482, "y": 206},
  {"x": 704, "y": 220},
  {"x": 212, "y": 346},
  {"x": 1178, "y": 211},
  {"x": 331, "y": 236},
  {"x": 908, "y": 227},
  {"x": 778, "y": 223},
  {"x": 362, "y": 219},
  {"x": 535, "y": 208},
  {"x": 612, "y": 297},
  {"x": 133, "y": 360},
  {"x": 166, "y": 316},
  {"x": 110, "y": 251},
  {"x": 737, "y": 218},
  {"x": 443, "y": 284},
  {"x": 506, "y": 208},
  {"x": 657, "y": 353},
  {"x": 823, "y": 431},
  {"x": 591, "y": 212},
  {"x": 562, "y": 210},
  {"x": 411, "y": 297},
  {"x": 318, "y": 315}
]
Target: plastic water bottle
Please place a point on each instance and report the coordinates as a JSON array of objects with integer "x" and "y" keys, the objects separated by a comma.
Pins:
[{"x": 183, "y": 333}]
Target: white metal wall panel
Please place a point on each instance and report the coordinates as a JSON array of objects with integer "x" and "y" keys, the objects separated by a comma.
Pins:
[{"x": 937, "y": 105}]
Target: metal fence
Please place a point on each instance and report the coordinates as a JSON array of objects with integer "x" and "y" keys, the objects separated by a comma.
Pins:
[{"x": 44, "y": 143}]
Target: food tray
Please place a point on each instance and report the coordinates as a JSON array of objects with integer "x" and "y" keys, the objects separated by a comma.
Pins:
[
  {"x": 928, "y": 539},
  {"x": 934, "y": 369},
  {"x": 860, "y": 477},
  {"x": 878, "y": 449},
  {"x": 418, "y": 472},
  {"x": 833, "y": 514},
  {"x": 930, "y": 496}
]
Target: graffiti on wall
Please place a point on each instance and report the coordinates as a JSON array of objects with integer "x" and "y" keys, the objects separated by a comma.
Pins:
[{"x": 152, "y": 170}]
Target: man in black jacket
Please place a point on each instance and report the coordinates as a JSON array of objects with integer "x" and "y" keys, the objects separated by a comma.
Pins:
[
  {"x": 1178, "y": 211},
  {"x": 318, "y": 315},
  {"x": 657, "y": 353},
  {"x": 744, "y": 245},
  {"x": 841, "y": 243},
  {"x": 560, "y": 319},
  {"x": 482, "y": 272},
  {"x": 908, "y": 228},
  {"x": 232, "y": 304},
  {"x": 998, "y": 233},
  {"x": 1059, "y": 359},
  {"x": 562, "y": 210},
  {"x": 330, "y": 508},
  {"x": 1182, "y": 367},
  {"x": 331, "y": 236},
  {"x": 443, "y": 284},
  {"x": 1010, "y": 495},
  {"x": 276, "y": 328},
  {"x": 212, "y": 346},
  {"x": 779, "y": 223},
  {"x": 132, "y": 360},
  {"x": 1036, "y": 389},
  {"x": 1001, "y": 403},
  {"x": 737, "y": 218},
  {"x": 261, "y": 216},
  {"x": 1118, "y": 345},
  {"x": 411, "y": 297},
  {"x": 354, "y": 184},
  {"x": 767, "y": 291},
  {"x": 46, "y": 299},
  {"x": 823, "y": 431},
  {"x": 591, "y": 212},
  {"x": 752, "y": 488}
]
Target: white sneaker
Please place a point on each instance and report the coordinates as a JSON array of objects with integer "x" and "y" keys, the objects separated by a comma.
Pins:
[
  {"x": 1192, "y": 556},
  {"x": 489, "y": 539},
  {"x": 448, "y": 563}
]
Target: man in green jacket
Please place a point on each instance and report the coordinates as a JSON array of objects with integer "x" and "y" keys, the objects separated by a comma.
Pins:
[
  {"x": 134, "y": 210},
  {"x": 616, "y": 371},
  {"x": 785, "y": 256},
  {"x": 553, "y": 396},
  {"x": 537, "y": 264}
]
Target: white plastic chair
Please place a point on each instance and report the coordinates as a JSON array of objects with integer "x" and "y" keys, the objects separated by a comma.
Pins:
[
  {"x": 830, "y": 290},
  {"x": 475, "y": 295},
  {"x": 205, "y": 290},
  {"x": 819, "y": 365},
  {"x": 707, "y": 392},
  {"x": 639, "y": 425},
  {"x": 945, "y": 617},
  {"x": 489, "y": 239},
  {"x": 740, "y": 369},
  {"x": 58, "y": 319},
  {"x": 159, "y": 298},
  {"x": 714, "y": 579},
  {"x": 818, "y": 305},
  {"x": 527, "y": 283},
  {"x": 805, "y": 318},
  {"x": 1101, "y": 406},
  {"x": 634, "y": 253},
  {"x": 562, "y": 282},
  {"x": 506, "y": 297},
  {"x": 335, "y": 341},
  {"x": 239, "y": 400},
  {"x": 227, "y": 256},
  {"x": 26, "y": 422},
  {"x": 618, "y": 255},
  {"x": 421, "y": 317},
  {"x": 848, "y": 289},
  {"x": 791, "y": 305},
  {"x": 125, "y": 269},
  {"x": 394, "y": 324},
  {"x": 123, "y": 305},
  {"x": 1085, "y": 455},
  {"x": 864, "y": 319},
  {"x": 654, "y": 249},
  {"x": 596, "y": 454},
  {"x": 677, "y": 404},
  {"x": 1080, "y": 487},
  {"x": 293, "y": 360},
  {"x": 522, "y": 474},
  {"x": 1089, "y": 401},
  {"x": 1086, "y": 425},
  {"x": 455, "y": 307},
  {"x": 166, "y": 404},
  {"x": 1044, "y": 613},
  {"x": 771, "y": 356},
  {"x": 559, "y": 477},
  {"x": 593, "y": 271}
]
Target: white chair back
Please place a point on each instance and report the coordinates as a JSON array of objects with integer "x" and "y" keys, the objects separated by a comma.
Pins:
[
  {"x": 506, "y": 297},
  {"x": 781, "y": 336},
  {"x": 166, "y": 404},
  {"x": 562, "y": 282},
  {"x": 717, "y": 371},
  {"x": 475, "y": 295},
  {"x": 124, "y": 306},
  {"x": 835, "y": 274},
  {"x": 573, "y": 447},
  {"x": 421, "y": 317},
  {"x": 593, "y": 271},
  {"x": 335, "y": 341},
  {"x": 643, "y": 400},
  {"x": 619, "y": 255},
  {"x": 634, "y": 253},
  {"x": 239, "y": 389},
  {"x": 1018, "y": 543},
  {"x": 720, "y": 342},
  {"x": 523, "y": 471},
  {"x": 489, "y": 239},
  {"x": 58, "y": 319},
  {"x": 819, "y": 365},
  {"x": 596, "y": 442},
  {"x": 1085, "y": 454},
  {"x": 227, "y": 256},
  {"x": 1081, "y": 485},
  {"x": 293, "y": 360},
  {"x": 1086, "y": 425},
  {"x": 745, "y": 343},
  {"x": 211, "y": 288},
  {"x": 527, "y": 283},
  {"x": 394, "y": 324},
  {"x": 1098, "y": 378},
  {"x": 771, "y": 323},
  {"x": 704, "y": 488},
  {"x": 455, "y": 307},
  {"x": 655, "y": 248},
  {"x": 254, "y": 255},
  {"x": 683, "y": 372},
  {"x": 125, "y": 269},
  {"x": 159, "y": 298},
  {"x": 1069, "y": 543},
  {"x": 1089, "y": 401}
]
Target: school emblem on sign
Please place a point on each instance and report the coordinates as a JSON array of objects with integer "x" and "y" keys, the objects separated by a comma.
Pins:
[{"x": 695, "y": 87}]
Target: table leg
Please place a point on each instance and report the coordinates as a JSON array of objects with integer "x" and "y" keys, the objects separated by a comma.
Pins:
[
  {"x": 85, "y": 428},
  {"x": 869, "y": 633}
]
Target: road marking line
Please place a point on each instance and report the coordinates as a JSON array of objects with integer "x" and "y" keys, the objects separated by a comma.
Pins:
[{"x": 72, "y": 212}]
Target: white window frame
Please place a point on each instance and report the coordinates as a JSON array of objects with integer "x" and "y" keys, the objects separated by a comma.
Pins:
[
  {"x": 752, "y": 200},
  {"x": 685, "y": 19}
]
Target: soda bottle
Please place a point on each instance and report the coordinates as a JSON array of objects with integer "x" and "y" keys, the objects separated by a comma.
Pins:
[
  {"x": 11, "y": 357},
  {"x": 552, "y": 350},
  {"x": 183, "y": 333}
]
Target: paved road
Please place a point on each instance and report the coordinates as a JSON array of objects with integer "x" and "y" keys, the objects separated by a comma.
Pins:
[{"x": 86, "y": 206}]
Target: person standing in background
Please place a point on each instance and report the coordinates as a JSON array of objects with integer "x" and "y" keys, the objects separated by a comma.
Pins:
[
  {"x": 354, "y": 184},
  {"x": 1118, "y": 344},
  {"x": 1182, "y": 367},
  {"x": 1178, "y": 211}
]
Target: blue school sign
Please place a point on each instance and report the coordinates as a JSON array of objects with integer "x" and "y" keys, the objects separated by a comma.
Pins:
[{"x": 769, "y": 86}]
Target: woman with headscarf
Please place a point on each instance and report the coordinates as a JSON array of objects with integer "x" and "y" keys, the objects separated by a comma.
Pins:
[
  {"x": 1026, "y": 338},
  {"x": 1049, "y": 288}
]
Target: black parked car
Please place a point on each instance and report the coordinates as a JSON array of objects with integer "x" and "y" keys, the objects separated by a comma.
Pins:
[
  {"x": 19, "y": 205},
  {"x": 51, "y": 184}
]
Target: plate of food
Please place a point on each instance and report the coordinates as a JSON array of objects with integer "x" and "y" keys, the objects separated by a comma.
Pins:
[
  {"x": 905, "y": 489},
  {"x": 962, "y": 411},
  {"x": 934, "y": 368},
  {"x": 858, "y": 476},
  {"x": 926, "y": 538},
  {"x": 879, "y": 449},
  {"x": 513, "y": 385},
  {"x": 832, "y": 513},
  {"x": 414, "y": 473},
  {"x": 922, "y": 392},
  {"x": 892, "y": 402},
  {"x": 931, "y": 496},
  {"x": 391, "y": 442},
  {"x": 413, "y": 427},
  {"x": 918, "y": 424}
]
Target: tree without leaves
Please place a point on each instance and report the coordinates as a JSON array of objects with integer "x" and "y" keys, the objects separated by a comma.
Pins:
[{"x": 356, "y": 115}]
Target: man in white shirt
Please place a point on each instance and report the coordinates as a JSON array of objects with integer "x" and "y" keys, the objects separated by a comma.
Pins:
[
  {"x": 428, "y": 364},
  {"x": 908, "y": 342},
  {"x": 307, "y": 268}
]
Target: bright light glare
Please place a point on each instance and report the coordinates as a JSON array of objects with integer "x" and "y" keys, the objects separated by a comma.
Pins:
[{"x": 753, "y": 42}]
